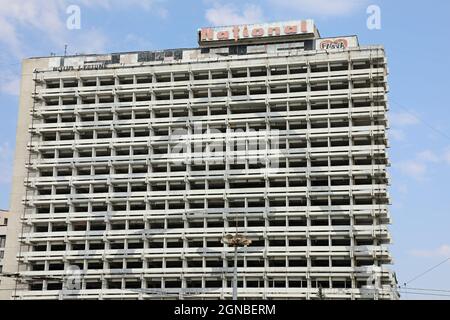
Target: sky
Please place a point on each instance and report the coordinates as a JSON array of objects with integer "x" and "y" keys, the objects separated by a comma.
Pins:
[{"x": 414, "y": 33}]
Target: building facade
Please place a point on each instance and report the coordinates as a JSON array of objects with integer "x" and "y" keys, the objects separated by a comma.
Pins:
[
  {"x": 137, "y": 165},
  {"x": 3, "y": 224}
]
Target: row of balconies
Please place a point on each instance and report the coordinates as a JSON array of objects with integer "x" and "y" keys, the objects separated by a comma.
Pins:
[
  {"x": 198, "y": 239},
  {"x": 280, "y": 63},
  {"x": 230, "y": 90},
  {"x": 302, "y": 274},
  {"x": 250, "y": 92},
  {"x": 214, "y": 116},
  {"x": 269, "y": 147},
  {"x": 248, "y": 126},
  {"x": 339, "y": 245},
  {"x": 179, "y": 198},
  {"x": 136, "y": 169},
  {"x": 136, "y": 201},
  {"x": 260, "y": 209},
  {"x": 175, "y": 217},
  {"x": 146, "y": 76},
  {"x": 124, "y": 173},
  {"x": 233, "y": 152},
  {"x": 139, "y": 182},
  {"x": 193, "y": 91},
  {"x": 184, "y": 202},
  {"x": 248, "y": 281},
  {"x": 178, "y": 157},
  {"x": 342, "y": 182},
  {"x": 208, "y": 222},
  {"x": 179, "y": 160},
  {"x": 210, "y": 90},
  {"x": 233, "y": 141},
  {"x": 143, "y": 117},
  {"x": 196, "y": 165},
  {"x": 226, "y": 95},
  {"x": 254, "y": 252},
  {"x": 196, "y": 219},
  {"x": 210, "y": 274},
  {"x": 135, "y": 264},
  {"x": 199, "y": 294},
  {"x": 196, "y": 186},
  {"x": 317, "y": 226},
  {"x": 243, "y": 127},
  {"x": 226, "y": 77},
  {"x": 73, "y": 251},
  {"x": 355, "y": 101},
  {"x": 262, "y": 273}
]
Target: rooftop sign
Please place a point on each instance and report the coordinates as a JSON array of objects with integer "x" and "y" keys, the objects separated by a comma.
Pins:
[
  {"x": 267, "y": 32},
  {"x": 341, "y": 43}
]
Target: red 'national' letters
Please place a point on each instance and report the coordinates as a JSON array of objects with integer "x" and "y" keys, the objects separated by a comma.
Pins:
[{"x": 245, "y": 32}]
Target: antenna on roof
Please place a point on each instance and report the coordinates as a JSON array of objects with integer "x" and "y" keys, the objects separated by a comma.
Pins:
[{"x": 65, "y": 50}]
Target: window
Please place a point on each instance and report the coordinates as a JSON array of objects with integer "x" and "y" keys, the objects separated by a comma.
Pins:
[{"x": 2, "y": 242}]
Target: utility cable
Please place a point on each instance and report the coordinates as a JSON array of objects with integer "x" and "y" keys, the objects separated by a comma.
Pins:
[
  {"x": 430, "y": 126},
  {"x": 426, "y": 272}
]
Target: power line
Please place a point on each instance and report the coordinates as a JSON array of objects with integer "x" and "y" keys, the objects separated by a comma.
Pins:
[
  {"x": 164, "y": 292},
  {"x": 404, "y": 289},
  {"x": 429, "y": 125},
  {"x": 427, "y": 271},
  {"x": 426, "y": 294},
  {"x": 421, "y": 289},
  {"x": 7, "y": 64}
]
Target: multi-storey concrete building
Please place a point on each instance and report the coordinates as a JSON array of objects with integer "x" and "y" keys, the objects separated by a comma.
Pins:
[
  {"x": 132, "y": 167},
  {"x": 3, "y": 224}
]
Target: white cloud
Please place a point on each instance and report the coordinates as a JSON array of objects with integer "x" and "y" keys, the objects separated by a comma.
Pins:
[
  {"x": 227, "y": 14},
  {"x": 162, "y": 13},
  {"x": 443, "y": 251},
  {"x": 43, "y": 16},
  {"x": 413, "y": 168},
  {"x": 447, "y": 157},
  {"x": 397, "y": 134},
  {"x": 429, "y": 156},
  {"x": 399, "y": 121},
  {"x": 418, "y": 166},
  {"x": 403, "y": 189},
  {"x": 147, "y": 5},
  {"x": 91, "y": 41},
  {"x": 10, "y": 84},
  {"x": 44, "y": 20},
  {"x": 136, "y": 42},
  {"x": 320, "y": 7},
  {"x": 403, "y": 119},
  {"x": 21, "y": 20},
  {"x": 48, "y": 18},
  {"x": 153, "y": 6},
  {"x": 19, "y": 17},
  {"x": 9, "y": 36},
  {"x": 6, "y": 160}
]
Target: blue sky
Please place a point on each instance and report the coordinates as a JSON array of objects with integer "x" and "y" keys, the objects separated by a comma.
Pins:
[{"x": 416, "y": 37}]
